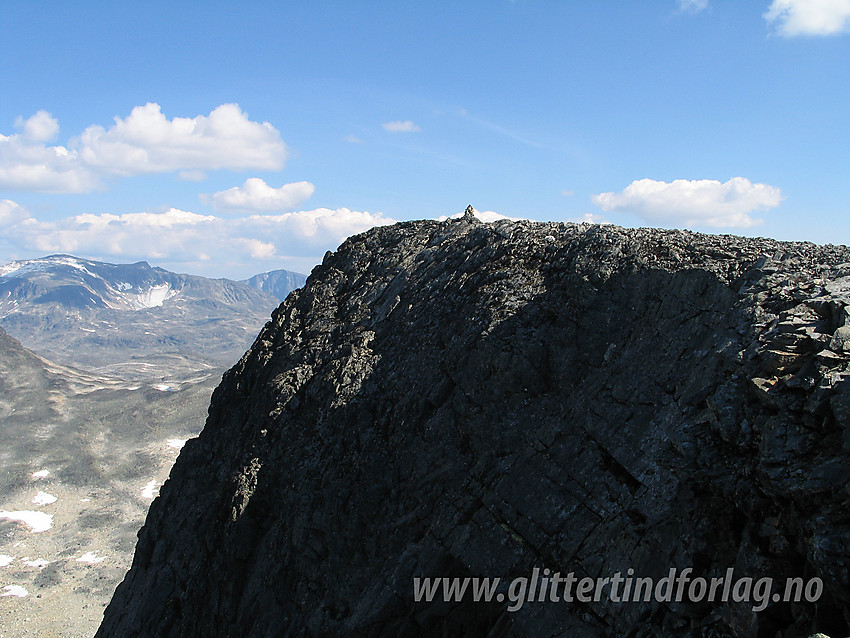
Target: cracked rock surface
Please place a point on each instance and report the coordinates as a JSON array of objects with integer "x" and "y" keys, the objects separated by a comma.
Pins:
[{"x": 478, "y": 400}]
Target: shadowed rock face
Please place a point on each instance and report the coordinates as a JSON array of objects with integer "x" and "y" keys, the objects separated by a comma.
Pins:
[{"x": 460, "y": 399}]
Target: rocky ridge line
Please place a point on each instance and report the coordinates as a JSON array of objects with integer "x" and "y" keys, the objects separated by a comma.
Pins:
[{"x": 461, "y": 399}]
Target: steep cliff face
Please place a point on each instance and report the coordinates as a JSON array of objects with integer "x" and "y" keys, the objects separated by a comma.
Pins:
[{"x": 479, "y": 400}]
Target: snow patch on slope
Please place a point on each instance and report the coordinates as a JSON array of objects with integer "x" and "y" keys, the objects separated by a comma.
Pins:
[
  {"x": 153, "y": 297},
  {"x": 91, "y": 558},
  {"x": 177, "y": 444},
  {"x": 14, "y": 590},
  {"x": 150, "y": 490},
  {"x": 43, "y": 498},
  {"x": 36, "y": 521}
]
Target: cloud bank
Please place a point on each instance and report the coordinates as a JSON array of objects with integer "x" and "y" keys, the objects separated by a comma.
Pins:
[
  {"x": 702, "y": 202},
  {"x": 144, "y": 142},
  {"x": 809, "y": 17},
  {"x": 182, "y": 237},
  {"x": 257, "y": 196}
]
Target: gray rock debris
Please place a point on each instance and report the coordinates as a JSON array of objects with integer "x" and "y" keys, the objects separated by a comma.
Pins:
[{"x": 449, "y": 399}]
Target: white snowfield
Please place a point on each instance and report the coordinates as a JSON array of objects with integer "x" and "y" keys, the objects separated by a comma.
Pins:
[
  {"x": 163, "y": 387},
  {"x": 14, "y": 590},
  {"x": 126, "y": 298},
  {"x": 177, "y": 444},
  {"x": 36, "y": 521},
  {"x": 91, "y": 558},
  {"x": 5, "y": 560},
  {"x": 154, "y": 296},
  {"x": 43, "y": 498},
  {"x": 41, "y": 474},
  {"x": 150, "y": 490},
  {"x": 29, "y": 265}
]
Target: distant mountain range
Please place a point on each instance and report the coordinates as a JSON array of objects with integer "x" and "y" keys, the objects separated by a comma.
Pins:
[
  {"x": 277, "y": 283},
  {"x": 135, "y": 320}
]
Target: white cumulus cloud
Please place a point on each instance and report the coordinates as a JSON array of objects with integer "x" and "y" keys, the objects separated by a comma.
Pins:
[
  {"x": 256, "y": 195},
  {"x": 809, "y": 17},
  {"x": 255, "y": 248},
  {"x": 26, "y": 164},
  {"x": 41, "y": 127},
  {"x": 401, "y": 127},
  {"x": 148, "y": 142},
  {"x": 702, "y": 202},
  {"x": 11, "y": 213},
  {"x": 144, "y": 142}
]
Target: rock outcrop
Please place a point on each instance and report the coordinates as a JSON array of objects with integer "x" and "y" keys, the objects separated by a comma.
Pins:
[{"x": 458, "y": 399}]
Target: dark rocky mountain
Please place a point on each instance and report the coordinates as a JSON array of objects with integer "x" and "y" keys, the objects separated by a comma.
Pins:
[
  {"x": 131, "y": 319},
  {"x": 457, "y": 399},
  {"x": 82, "y": 456},
  {"x": 278, "y": 283}
]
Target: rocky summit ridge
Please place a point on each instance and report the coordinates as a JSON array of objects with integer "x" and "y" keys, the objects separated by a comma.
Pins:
[{"x": 459, "y": 399}]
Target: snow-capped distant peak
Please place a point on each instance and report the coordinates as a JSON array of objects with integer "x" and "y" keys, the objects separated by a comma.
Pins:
[
  {"x": 80, "y": 282},
  {"x": 12, "y": 266},
  {"x": 43, "y": 263}
]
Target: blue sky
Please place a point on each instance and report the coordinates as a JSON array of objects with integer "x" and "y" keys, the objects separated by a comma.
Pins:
[{"x": 226, "y": 139}]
